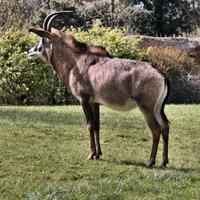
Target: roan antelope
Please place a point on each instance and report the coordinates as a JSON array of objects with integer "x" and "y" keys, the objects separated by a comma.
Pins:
[{"x": 95, "y": 78}]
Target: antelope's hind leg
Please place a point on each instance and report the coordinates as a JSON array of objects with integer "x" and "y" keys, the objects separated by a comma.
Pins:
[
  {"x": 165, "y": 136},
  {"x": 155, "y": 130}
]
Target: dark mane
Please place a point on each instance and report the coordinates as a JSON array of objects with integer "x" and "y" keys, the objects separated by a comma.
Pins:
[
  {"x": 99, "y": 51},
  {"x": 82, "y": 47}
]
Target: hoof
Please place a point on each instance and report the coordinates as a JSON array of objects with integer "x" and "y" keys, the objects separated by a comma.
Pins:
[
  {"x": 91, "y": 156},
  {"x": 164, "y": 165},
  {"x": 94, "y": 156},
  {"x": 150, "y": 163},
  {"x": 98, "y": 154}
]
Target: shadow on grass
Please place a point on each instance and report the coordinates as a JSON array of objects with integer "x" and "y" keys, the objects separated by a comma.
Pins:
[
  {"x": 144, "y": 165},
  {"x": 185, "y": 169},
  {"x": 125, "y": 162},
  {"x": 64, "y": 116},
  {"x": 51, "y": 117}
]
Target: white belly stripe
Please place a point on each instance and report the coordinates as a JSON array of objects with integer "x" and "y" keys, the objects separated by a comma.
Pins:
[{"x": 129, "y": 105}]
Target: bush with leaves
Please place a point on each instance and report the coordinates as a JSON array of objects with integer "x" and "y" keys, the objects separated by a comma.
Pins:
[
  {"x": 114, "y": 40},
  {"x": 22, "y": 81},
  {"x": 140, "y": 21},
  {"x": 170, "y": 59},
  {"x": 177, "y": 65},
  {"x": 22, "y": 10}
]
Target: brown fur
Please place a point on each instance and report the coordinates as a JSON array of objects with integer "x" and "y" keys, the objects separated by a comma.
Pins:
[
  {"x": 99, "y": 51},
  {"x": 84, "y": 48},
  {"x": 95, "y": 78}
]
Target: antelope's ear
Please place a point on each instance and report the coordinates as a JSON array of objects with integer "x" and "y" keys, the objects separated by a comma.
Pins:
[
  {"x": 42, "y": 33},
  {"x": 56, "y": 32}
]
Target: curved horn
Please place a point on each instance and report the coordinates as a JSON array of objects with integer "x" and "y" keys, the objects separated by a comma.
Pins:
[{"x": 50, "y": 17}]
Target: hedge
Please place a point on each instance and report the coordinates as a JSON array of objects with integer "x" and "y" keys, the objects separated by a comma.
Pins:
[
  {"x": 178, "y": 67},
  {"x": 24, "y": 81}
]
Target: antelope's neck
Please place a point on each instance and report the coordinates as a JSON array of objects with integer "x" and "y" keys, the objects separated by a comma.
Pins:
[
  {"x": 63, "y": 72},
  {"x": 63, "y": 62}
]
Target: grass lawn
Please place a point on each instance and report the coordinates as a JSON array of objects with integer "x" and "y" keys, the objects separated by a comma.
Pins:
[{"x": 43, "y": 153}]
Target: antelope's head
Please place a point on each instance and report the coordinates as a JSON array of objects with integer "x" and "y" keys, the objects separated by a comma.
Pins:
[{"x": 43, "y": 49}]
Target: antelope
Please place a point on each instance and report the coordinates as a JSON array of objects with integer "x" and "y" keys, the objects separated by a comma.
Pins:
[{"x": 96, "y": 78}]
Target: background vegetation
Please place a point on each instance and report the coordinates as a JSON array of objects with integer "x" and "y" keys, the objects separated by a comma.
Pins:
[
  {"x": 177, "y": 66},
  {"x": 43, "y": 149},
  {"x": 27, "y": 82},
  {"x": 23, "y": 81},
  {"x": 43, "y": 153},
  {"x": 149, "y": 17}
]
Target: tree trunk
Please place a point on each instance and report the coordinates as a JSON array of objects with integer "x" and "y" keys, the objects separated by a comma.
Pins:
[
  {"x": 112, "y": 6},
  {"x": 158, "y": 13}
]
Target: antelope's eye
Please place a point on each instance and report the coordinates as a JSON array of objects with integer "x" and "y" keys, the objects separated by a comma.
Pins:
[{"x": 40, "y": 48}]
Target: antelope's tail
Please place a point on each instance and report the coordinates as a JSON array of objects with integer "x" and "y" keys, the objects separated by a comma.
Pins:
[{"x": 160, "y": 105}]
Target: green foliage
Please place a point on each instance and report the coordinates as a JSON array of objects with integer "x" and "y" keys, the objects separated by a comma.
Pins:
[
  {"x": 70, "y": 19},
  {"x": 173, "y": 17},
  {"x": 177, "y": 65},
  {"x": 169, "y": 59},
  {"x": 22, "y": 81},
  {"x": 101, "y": 10},
  {"x": 195, "y": 33},
  {"x": 43, "y": 153},
  {"x": 135, "y": 16},
  {"x": 167, "y": 17},
  {"x": 16, "y": 14},
  {"x": 140, "y": 21},
  {"x": 114, "y": 40}
]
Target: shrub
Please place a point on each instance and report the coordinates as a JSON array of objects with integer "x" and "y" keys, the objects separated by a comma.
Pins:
[
  {"x": 139, "y": 21},
  {"x": 22, "y": 81},
  {"x": 113, "y": 40},
  {"x": 169, "y": 59},
  {"x": 177, "y": 66}
]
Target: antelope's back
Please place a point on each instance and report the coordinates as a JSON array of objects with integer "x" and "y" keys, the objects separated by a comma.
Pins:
[{"x": 116, "y": 83}]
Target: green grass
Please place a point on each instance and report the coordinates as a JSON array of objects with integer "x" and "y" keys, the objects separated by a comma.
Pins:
[{"x": 43, "y": 153}]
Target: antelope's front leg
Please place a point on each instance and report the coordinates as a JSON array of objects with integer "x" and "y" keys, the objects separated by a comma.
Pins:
[
  {"x": 97, "y": 130},
  {"x": 87, "y": 108}
]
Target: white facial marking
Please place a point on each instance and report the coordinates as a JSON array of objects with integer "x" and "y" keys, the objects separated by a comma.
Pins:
[{"x": 36, "y": 51}]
